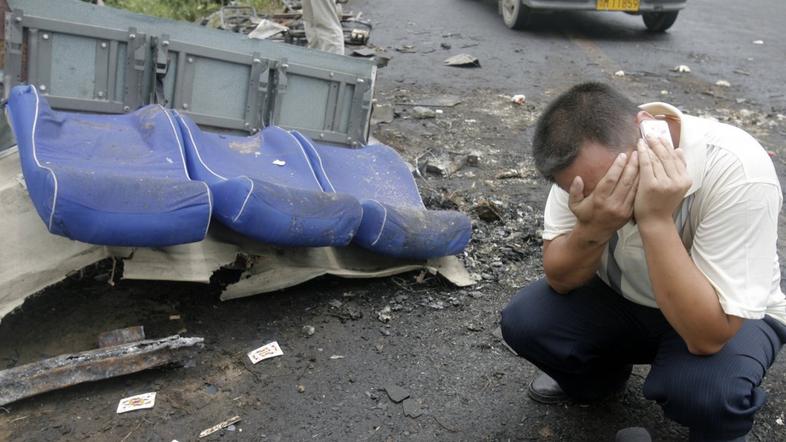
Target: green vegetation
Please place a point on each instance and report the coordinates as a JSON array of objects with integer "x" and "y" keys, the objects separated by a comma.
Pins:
[{"x": 190, "y": 10}]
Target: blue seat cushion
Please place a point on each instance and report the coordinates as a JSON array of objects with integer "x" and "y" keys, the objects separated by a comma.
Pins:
[
  {"x": 395, "y": 220},
  {"x": 266, "y": 188},
  {"x": 117, "y": 180},
  {"x": 284, "y": 215},
  {"x": 413, "y": 233}
]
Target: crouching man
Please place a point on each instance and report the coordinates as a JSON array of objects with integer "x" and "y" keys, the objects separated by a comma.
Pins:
[{"x": 657, "y": 251}]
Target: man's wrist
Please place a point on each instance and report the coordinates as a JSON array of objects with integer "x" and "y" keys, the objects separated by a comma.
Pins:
[
  {"x": 655, "y": 226},
  {"x": 591, "y": 236}
]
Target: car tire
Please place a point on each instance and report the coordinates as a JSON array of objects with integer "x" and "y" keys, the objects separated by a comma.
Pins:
[
  {"x": 515, "y": 14},
  {"x": 659, "y": 21}
]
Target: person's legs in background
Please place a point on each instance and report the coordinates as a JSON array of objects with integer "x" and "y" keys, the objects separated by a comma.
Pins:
[{"x": 323, "y": 26}]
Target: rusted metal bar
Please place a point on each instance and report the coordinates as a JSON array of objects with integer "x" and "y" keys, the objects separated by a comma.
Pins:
[{"x": 93, "y": 365}]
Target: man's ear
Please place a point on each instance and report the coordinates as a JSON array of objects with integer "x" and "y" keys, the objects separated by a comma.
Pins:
[{"x": 643, "y": 115}]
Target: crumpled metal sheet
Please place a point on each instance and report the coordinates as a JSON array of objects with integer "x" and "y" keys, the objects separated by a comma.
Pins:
[
  {"x": 268, "y": 272},
  {"x": 31, "y": 258}
]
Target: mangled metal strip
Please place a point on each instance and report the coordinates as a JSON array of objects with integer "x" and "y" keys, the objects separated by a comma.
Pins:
[
  {"x": 14, "y": 34},
  {"x": 39, "y": 56},
  {"x": 258, "y": 92},
  {"x": 93, "y": 365}
]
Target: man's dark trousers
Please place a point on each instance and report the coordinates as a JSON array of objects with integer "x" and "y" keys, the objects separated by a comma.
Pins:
[{"x": 587, "y": 340}]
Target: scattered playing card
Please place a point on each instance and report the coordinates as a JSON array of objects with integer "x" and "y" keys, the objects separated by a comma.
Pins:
[
  {"x": 138, "y": 402},
  {"x": 265, "y": 352}
]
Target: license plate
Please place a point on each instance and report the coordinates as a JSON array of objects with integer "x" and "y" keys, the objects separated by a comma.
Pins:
[{"x": 617, "y": 5}]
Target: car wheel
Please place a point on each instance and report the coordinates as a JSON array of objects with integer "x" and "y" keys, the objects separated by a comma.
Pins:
[
  {"x": 514, "y": 14},
  {"x": 659, "y": 21}
]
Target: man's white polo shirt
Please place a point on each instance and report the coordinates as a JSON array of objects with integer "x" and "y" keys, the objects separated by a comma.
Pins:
[{"x": 728, "y": 222}]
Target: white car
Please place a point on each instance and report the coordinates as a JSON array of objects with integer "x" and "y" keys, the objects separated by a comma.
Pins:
[{"x": 658, "y": 15}]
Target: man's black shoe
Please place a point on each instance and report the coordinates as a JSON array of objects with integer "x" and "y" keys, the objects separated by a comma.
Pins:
[
  {"x": 546, "y": 390},
  {"x": 633, "y": 434}
]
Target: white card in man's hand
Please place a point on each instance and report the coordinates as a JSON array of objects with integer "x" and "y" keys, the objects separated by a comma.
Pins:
[{"x": 658, "y": 129}]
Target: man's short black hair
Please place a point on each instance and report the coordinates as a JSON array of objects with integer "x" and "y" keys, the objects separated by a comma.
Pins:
[{"x": 587, "y": 112}]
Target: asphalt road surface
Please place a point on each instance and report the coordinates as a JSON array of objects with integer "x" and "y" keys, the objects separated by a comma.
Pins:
[{"x": 714, "y": 38}]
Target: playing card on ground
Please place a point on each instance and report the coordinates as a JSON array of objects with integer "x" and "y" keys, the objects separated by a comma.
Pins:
[
  {"x": 138, "y": 402},
  {"x": 265, "y": 352}
]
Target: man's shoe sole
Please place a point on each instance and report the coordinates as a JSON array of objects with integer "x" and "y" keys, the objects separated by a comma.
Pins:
[{"x": 547, "y": 399}]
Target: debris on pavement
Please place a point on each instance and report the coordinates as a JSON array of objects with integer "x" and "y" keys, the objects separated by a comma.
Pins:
[
  {"x": 619, "y": 74},
  {"x": 722, "y": 83},
  {"x": 436, "y": 101},
  {"x": 384, "y": 314},
  {"x": 358, "y": 36},
  {"x": 474, "y": 327},
  {"x": 445, "y": 45},
  {"x": 441, "y": 166},
  {"x": 235, "y": 18},
  {"x": 396, "y": 393},
  {"x": 487, "y": 210},
  {"x": 267, "y": 351},
  {"x": 309, "y": 330},
  {"x": 758, "y": 42},
  {"x": 437, "y": 305},
  {"x": 267, "y": 29},
  {"x": 93, "y": 365},
  {"x": 138, "y": 402},
  {"x": 385, "y": 114},
  {"x": 382, "y": 60},
  {"x": 219, "y": 426},
  {"x": 422, "y": 113},
  {"x": 681, "y": 68},
  {"x": 121, "y": 336},
  {"x": 336, "y": 357},
  {"x": 463, "y": 60},
  {"x": 406, "y": 49},
  {"x": 364, "y": 52},
  {"x": 519, "y": 99},
  {"x": 279, "y": 162},
  {"x": 377, "y": 53},
  {"x": 348, "y": 312},
  {"x": 508, "y": 174},
  {"x": 412, "y": 408},
  {"x": 301, "y": 388}
]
